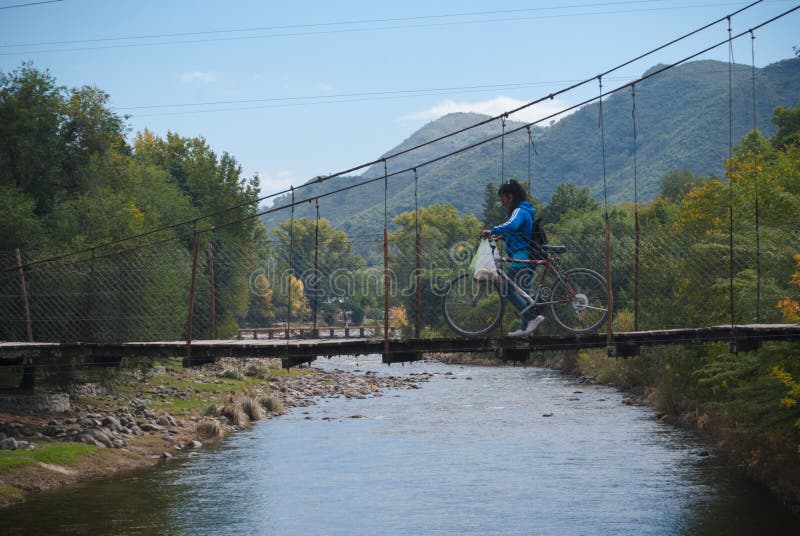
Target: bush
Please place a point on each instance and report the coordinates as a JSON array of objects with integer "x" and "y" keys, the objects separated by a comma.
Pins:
[
  {"x": 210, "y": 428},
  {"x": 211, "y": 411},
  {"x": 257, "y": 370},
  {"x": 252, "y": 408},
  {"x": 232, "y": 374},
  {"x": 236, "y": 415},
  {"x": 273, "y": 405}
]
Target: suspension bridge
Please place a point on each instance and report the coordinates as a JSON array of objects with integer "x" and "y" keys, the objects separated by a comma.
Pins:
[{"x": 197, "y": 288}]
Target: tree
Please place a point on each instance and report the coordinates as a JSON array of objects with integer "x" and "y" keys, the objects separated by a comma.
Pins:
[
  {"x": 492, "y": 209},
  {"x": 568, "y": 197},
  {"x": 788, "y": 122},
  {"x": 675, "y": 184},
  {"x": 289, "y": 300},
  {"x": 31, "y": 111},
  {"x": 448, "y": 241},
  {"x": 321, "y": 256}
]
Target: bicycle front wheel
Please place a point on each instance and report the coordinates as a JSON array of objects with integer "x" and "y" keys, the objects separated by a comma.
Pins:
[
  {"x": 580, "y": 300},
  {"x": 472, "y": 308}
]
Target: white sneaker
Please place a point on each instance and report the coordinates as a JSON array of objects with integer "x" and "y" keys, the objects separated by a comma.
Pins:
[{"x": 529, "y": 329}]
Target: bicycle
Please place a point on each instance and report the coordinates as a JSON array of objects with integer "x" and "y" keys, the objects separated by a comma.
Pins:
[{"x": 577, "y": 298}]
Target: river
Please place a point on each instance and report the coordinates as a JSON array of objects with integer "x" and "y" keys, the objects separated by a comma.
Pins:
[{"x": 476, "y": 450}]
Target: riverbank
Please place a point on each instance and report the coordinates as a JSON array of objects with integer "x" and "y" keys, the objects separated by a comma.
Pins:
[
  {"x": 744, "y": 421},
  {"x": 137, "y": 418},
  {"x": 766, "y": 449}
]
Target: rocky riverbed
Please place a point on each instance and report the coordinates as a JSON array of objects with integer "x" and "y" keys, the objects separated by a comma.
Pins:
[{"x": 143, "y": 416}]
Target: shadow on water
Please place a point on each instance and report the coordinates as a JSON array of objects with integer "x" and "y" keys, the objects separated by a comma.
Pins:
[{"x": 469, "y": 452}]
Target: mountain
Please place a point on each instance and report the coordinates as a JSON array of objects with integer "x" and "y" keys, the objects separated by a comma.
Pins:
[{"x": 682, "y": 122}]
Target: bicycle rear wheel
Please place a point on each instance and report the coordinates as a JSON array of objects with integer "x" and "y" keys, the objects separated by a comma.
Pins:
[
  {"x": 472, "y": 308},
  {"x": 580, "y": 300}
]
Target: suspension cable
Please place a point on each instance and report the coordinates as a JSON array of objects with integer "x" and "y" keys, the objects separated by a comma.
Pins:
[
  {"x": 316, "y": 268},
  {"x": 291, "y": 270},
  {"x": 755, "y": 177},
  {"x": 730, "y": 176},
  {"x": 418, "y": 278},
  {"x": 635, "y": 215},
  {"x": 609, "y": 322},
  {"x": 530, "y": 144}
]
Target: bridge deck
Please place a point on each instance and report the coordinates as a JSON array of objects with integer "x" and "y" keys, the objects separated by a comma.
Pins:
[{"x": 295, "y": 351}]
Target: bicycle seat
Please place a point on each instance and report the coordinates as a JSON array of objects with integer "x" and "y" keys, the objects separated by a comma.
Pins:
[{"x": 554, "y": 249}]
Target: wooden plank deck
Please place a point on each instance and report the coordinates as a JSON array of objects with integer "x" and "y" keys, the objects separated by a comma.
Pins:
[{"x": 295, "y": 351}]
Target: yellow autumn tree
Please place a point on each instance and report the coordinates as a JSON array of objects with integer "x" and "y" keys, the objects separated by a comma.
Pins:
[{"x": 788, "y": 306}]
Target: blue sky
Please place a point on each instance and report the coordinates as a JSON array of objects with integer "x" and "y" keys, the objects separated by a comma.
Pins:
[{"x": 301, "y": 89}]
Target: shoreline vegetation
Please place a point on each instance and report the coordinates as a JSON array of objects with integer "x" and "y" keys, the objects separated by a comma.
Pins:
[{"x": 136, "y": 418}]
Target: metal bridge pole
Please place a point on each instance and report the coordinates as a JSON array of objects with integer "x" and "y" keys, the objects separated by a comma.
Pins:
[
  {"x": 610, "y": 321},
  {"x": 88, "y": 333},
  {"x": 25, "y": 302},
  {"x": 213, "y": 290},
  {"x": 195, "y": 253},
  {"x": 385, "y": 261},
  {"x": 291, "y": 260},
  {"x": 418, "y": 282},
  {"x": 28, "y": 369}
]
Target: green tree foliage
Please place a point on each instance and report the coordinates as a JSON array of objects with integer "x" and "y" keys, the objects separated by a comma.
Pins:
[
  {"x": 788, "y": 122},
  {"x": 568, "y": 197},
  {"x": 675, "y": 184},
  {"x": 447, "y": 239},
  {"x": 69, "y": 180},
  {"x": 492, "y": 209},
  {"x": 323, "y": 258}
]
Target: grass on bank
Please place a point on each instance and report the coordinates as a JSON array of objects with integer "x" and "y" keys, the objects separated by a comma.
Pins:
[{"x": 67, "y": 454}]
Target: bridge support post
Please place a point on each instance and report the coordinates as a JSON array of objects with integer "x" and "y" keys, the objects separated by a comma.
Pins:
[
  {"x": 28, "y": 382},
  {"x": 519, "y": 355},
  {"x": 25, "y": 302},
  {"x": 744, "y": 345},
  {"x": 401, "y": 357},
  {"x": 624, "y": 349}
]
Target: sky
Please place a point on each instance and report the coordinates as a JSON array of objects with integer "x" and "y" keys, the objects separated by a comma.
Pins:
[{"x": 294, "y": 90}]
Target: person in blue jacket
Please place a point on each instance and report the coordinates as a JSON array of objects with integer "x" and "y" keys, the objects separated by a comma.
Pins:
[{"x": 516, "y": 232}]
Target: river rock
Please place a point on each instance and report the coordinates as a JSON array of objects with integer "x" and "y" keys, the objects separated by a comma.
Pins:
[
  {"x": 8, "y": 443},
  {"x": 53, "y": 403},
  {"x": 52, "y": 430},
  {"x": 162, "y": 421},
  {"x": 99, "y": 435},
  {"x": 150, "y": 427},
  {"x": 112, "y": 424}
]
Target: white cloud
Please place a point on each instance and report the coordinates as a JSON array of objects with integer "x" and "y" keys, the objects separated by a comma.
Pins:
[
  {"x": 493, "y": 107},
  {"x": 198, "y": 76},
  {"x": 274, "y": 181}
]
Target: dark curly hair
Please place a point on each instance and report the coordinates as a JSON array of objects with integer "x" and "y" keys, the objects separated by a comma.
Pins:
[{"x": 517, "y": 191}]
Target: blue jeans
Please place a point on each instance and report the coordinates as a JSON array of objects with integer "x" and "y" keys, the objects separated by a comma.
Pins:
[{"x": 523, "y": 278}]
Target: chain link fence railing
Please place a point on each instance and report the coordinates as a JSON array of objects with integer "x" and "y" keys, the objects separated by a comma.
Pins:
[{"x": 310, "y": 280}]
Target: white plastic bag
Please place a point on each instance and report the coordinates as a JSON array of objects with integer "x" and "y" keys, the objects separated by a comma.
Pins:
[{"x": 483, "y": 265}]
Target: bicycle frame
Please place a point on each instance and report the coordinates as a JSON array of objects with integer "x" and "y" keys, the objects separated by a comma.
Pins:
[{"x": 548, "y": 267}]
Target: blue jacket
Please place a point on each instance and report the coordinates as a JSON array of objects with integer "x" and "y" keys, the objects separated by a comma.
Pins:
[{"x": 517, "y": 230}]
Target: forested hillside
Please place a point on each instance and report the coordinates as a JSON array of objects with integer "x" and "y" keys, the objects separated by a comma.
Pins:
[{"x": 682, "y": 123}]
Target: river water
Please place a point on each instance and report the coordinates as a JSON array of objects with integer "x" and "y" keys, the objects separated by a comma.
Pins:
[{"x": 476, "y": 450}]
